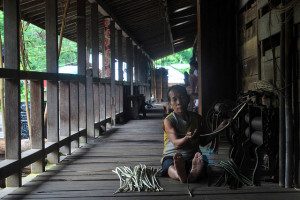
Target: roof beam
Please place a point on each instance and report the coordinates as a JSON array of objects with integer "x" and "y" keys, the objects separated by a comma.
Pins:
[
  {"x": 169, "y": 26},
  {"x": 102, "y": 4}
]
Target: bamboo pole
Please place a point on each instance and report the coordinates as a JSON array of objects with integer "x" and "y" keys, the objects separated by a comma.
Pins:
[
  {"x": 2, "y": 88},
  {"x": 59, "y": 45},
  {"x": 63, "y": 23}
]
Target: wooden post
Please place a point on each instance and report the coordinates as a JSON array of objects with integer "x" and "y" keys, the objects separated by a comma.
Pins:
[
  {"x": 120, "y": 54},
  {"x": 117, "y": 99},
  {"x": 107, "y": 104},
  {"x": 113, "y": 72},
  {"x": 121, "y": 98},
  {"x": 37, "y": 122},
  {"x": 81, "y": 48},
  {"x": 129, "y": 63},
  {"x": 120, "y": 67},
  {"x": 95, "y": 39},
  {"x": 74, "y": 110},
  {"x": 134, "y": 66},
  {"x": 282, "y": 103},
  {"x": 288, "y": 98},
  {"x": 102, "y": 101},
  {"x": 90, "y": 104},
  {"x": 64, "y": 112},
  {"x": 109, "y": 67},
  {"x": 12, "y": 88},
  {"x": 95, "y": 63},
  {"x": 52, "y": 86},
  {"x": 199, "y": 56},
  {"x": 96, "y": 107}
]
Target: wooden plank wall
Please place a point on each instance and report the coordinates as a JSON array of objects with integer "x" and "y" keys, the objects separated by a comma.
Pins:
[
  {"x": 259, "y": 26},
  {"x": 248, "y": 45},
  {"x": 258, "y": 38},
  {"x": 160, "y": 84}
]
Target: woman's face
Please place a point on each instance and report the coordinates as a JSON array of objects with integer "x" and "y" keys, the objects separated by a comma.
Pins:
[{"x": 178, "y": 100}]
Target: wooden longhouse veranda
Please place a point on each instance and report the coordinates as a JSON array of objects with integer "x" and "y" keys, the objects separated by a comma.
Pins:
[{"x": 248, "y": 52}]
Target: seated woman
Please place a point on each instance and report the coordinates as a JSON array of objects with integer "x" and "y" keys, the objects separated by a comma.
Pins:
[{"x": 182, "y": 159}]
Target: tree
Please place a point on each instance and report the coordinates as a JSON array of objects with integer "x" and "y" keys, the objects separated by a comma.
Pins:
[{"x": 182, "y": 57}]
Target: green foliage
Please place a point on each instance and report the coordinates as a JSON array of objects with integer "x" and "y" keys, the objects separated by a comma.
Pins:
[
  {"x": 182, "y": 57},
  {"x": 35, "y": 45}
]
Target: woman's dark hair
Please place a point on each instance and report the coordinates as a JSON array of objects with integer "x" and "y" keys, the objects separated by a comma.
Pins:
[
  {"x": 186, "y": 79},
  {"x": 177, "y": 87},
  {"x": 194, "y": 63}
]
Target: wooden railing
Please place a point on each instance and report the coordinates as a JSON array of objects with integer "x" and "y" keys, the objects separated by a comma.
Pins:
[{"x": 73, "y": 128}]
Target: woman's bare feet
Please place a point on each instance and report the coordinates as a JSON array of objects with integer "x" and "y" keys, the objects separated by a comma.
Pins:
[
  {"x": 197, "y": 167},
  {"x": 179, "y": 165}
]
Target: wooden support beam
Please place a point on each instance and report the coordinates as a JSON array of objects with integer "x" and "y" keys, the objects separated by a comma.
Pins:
[
  {"x": 91, "y": 92},
  {"x": 96, "y": 106},
  {"x": 169, "y": 26},
  {"x": 90, "y": 104},
  {"x": 81, "y": 49},
  {"x": 52, "y": 86},
  {"x": 134, "y": 66},
  {"x": 289, "y": 128},
  {"x": 95, "y": 39},
  {"x": 81, "y": 37},
  {"x": 102, "y": 101},
  {"x": 12, "y": 88},
  {"x": 117, "y": 110},
  {"x": 108, "y": 104},
  {"x": 37, "y": 123},
  {"x": 120, "y": 54},
  {"x": 199, "y": 56},
  {"x": 121, "y": 98},
  {"x": 113, "y": 72},
  {"x": 129, "y": 48},
  {"x": 103, "y": 6},
  {"x": 64, "y": 113},
  {"x": 74, "y": 110}
]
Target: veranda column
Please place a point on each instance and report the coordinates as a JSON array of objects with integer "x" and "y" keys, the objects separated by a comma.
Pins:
[
  {"x": 81, "y": 59},
  {"x": 120, "y": 54},
  {"x": 120, "y": 67},
  {"x": 95, "y": 64},
  {"x": 52, "y": 86},
  {"x": 109, "y": 63},
  {"x": 129, "y": 48},
  {"x": 12, "y": 98}
]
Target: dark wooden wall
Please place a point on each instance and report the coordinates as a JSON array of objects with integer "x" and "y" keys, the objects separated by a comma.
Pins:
[
  {"x": 218, "y": 52},
  {"x": 260, "y": 59}
]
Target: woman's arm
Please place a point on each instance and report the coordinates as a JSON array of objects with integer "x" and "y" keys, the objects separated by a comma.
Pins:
[
  {"x": 205, "y": 140},
  {"x": 171, "y": 132}
]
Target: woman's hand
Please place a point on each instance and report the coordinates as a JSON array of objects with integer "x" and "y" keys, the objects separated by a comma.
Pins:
[{"x": 193, "y": 135}]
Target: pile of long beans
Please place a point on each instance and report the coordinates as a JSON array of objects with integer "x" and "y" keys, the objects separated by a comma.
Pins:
[
  {"x": 232, "y": 175},
  {"x": 137, "y": 178}
]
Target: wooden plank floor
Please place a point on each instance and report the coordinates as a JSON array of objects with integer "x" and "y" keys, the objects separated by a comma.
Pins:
[{"x": 87, "y": 173}]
